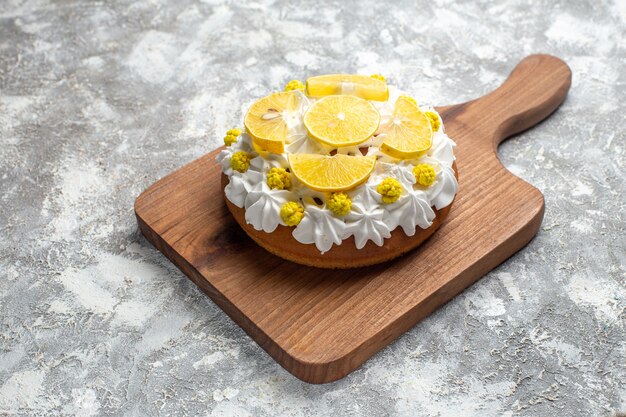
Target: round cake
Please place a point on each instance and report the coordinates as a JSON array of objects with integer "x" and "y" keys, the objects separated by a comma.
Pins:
[{"x": 343, "y": 172}]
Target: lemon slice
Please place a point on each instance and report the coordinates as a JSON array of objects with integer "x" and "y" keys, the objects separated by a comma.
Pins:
[
  {"x": 359, "y": 85},
  {"x": 409, "y": 134},
  {"x": 331, "y": 173},
  {"x": 266, "y": 120},
  {"x": 341, "y": 120}
]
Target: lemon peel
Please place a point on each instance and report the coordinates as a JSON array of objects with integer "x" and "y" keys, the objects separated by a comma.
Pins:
[
  {"x": 368, "y": 88},
  {"x": 292, "y": 213},
  {"x": 294, "y": 85},
  {"x": 424, "y": 174},
  {"x": 339, "y": 203},
  {"x": 390, "y": 190},
  {"x": 240, "y": 161},
  {"x": 435, "y": 123},
  {"x": 378, "y": 77},
  {"x": 278, "y": 179}
]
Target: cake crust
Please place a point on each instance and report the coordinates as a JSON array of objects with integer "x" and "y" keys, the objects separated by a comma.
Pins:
[{"x": 281, "y": 242}]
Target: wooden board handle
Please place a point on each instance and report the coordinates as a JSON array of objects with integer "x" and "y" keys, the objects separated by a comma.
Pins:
[{"x": 533, "y": 90}]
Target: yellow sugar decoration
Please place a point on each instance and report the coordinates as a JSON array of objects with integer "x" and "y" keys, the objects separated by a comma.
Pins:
[
  {"x": 435, "y": 123},
  {"x": 278, "y": 179},
  {"x": 409, "y": 99},
  {"x": 424, "y": 174},
  {"x": 240, "y": 161},
  {"x": 390, "y": 190},
  {"x": 378, "y": 77},
  {"x": 294, "y": 85},
  {"x": 339, "y": 203},
  {"x": 292, "y": 213},
  {"x": 231, "y": 136}
]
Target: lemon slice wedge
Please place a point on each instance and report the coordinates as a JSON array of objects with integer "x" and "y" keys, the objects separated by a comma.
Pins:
[
  {"x": 331, "y": 173},
  {"x": 359, "y": 85},
  {"x": 341, "y": 120},
  {"x": 409, "y": 133},
  {"x": 266, "y": 120}
]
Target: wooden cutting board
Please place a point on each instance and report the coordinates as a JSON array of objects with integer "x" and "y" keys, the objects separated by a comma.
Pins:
[{"x": 322, "y": 324}]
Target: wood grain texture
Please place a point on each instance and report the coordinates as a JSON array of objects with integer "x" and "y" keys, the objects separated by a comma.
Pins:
[{"x": 322, "y": 324}]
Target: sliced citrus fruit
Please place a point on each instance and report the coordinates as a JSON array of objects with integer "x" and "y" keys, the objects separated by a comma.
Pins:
[
  {"x": 359, "y": 85},
  {"x": 260, "y": 150},
  {"x": 331, "y": 173},
  {"x": 266, "y": 120},
  {"x": 409, "y": 134},
  {"x": 341, "y": 120}
]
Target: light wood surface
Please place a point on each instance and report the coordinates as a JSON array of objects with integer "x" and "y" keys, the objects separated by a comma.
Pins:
[{"x": 322, "y": 324}]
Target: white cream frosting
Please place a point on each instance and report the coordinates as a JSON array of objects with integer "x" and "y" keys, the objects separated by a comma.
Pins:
[
  {"x": 410, "y": 211},
  {"x": 319, "y": 226},
  {"x": 239, "y": 186},
  {"x": 365, "y": 220},
  {"x": 263, "y": 205},
  {"x": 369, "y": 218}
]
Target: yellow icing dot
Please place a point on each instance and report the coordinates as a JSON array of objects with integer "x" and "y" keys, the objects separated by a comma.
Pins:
[
  {"x": 390, "y": 190},
  {"x": 339, "y": 203},
  {"x": 411, "y": 99},
  {"x": 292, "y": 213},
  {"x": 378, "y": 77},
  {"x": 424, "y": 174},
  {"x": 294, "y": 85},
  {"x": 240, "y": 161},
  {"x": 435, "y": 123},
  {"x": 279, "y": 179},
  {"x": 231, "y": 136}
]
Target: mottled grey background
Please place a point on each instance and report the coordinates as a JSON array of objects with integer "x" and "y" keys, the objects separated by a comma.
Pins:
[{"x": 98, "y": 99}]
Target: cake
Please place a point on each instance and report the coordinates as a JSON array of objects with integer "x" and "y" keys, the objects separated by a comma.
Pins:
[{"x": 345, "y": 171}]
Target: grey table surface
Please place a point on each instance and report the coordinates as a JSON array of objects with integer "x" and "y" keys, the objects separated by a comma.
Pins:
[{"x": 99, "y": 99}]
